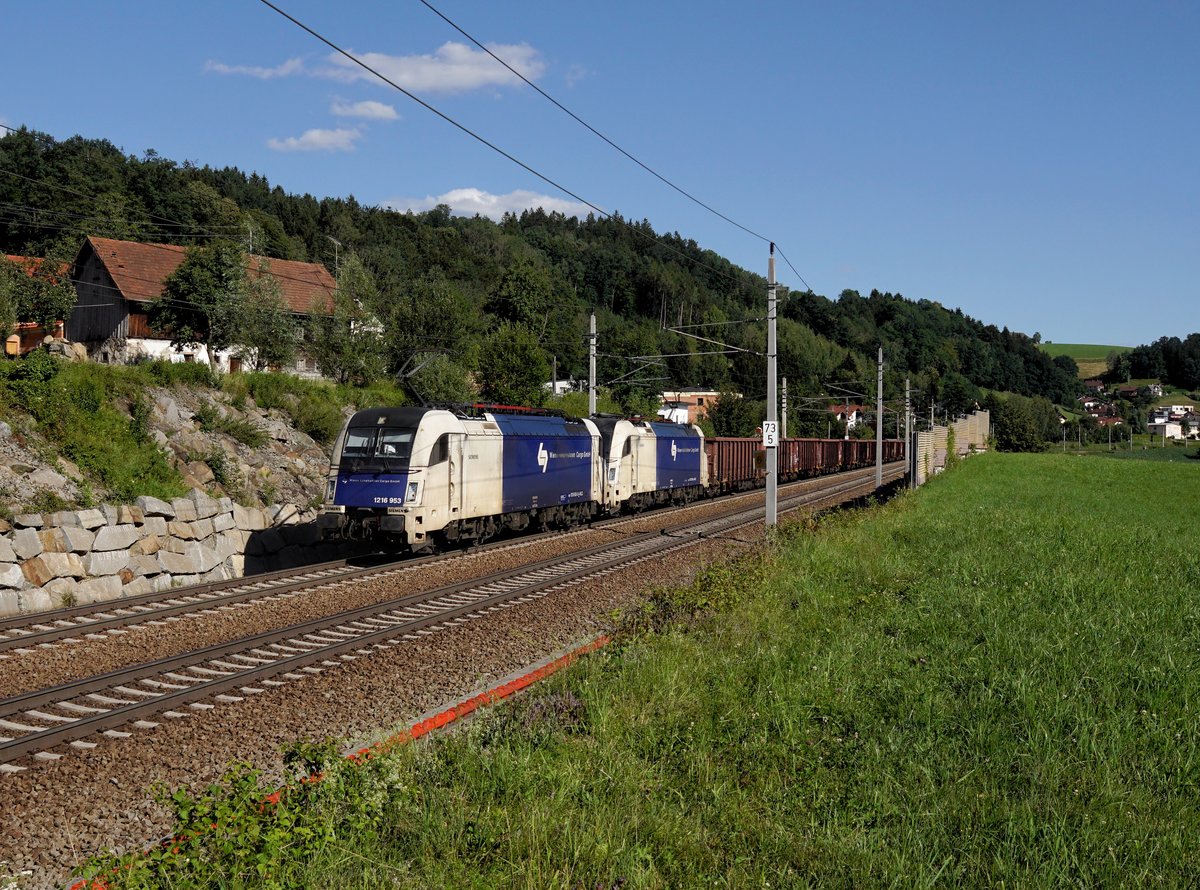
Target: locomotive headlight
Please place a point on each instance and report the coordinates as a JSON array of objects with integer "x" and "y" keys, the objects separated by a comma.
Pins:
[
  {"x": 414, "y": 490},
  {"x": 612, "y": 474},
  {"x": 330, "y": 489}
]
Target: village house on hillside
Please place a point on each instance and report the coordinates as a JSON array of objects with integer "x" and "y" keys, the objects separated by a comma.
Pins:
[
  {"x": 118, "y": 280},
  {"x": 687, "y": 405}
]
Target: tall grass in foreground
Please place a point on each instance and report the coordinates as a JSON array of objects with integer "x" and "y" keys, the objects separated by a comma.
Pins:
[{"x": 993, "y": 682}]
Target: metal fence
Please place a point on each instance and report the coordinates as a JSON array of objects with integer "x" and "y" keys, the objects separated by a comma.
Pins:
[{"x": 930, "y": 449}]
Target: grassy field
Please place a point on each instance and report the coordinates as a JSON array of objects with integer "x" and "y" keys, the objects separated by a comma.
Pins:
[
  {"x": 1090, "y": 357},
  {"x": 992, "y": 682}
]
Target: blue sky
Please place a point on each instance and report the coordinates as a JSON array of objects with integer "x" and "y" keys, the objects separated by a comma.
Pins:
[{"x": 1036, "y": 164}]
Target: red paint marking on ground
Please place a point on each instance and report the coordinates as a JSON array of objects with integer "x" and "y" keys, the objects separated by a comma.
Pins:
[{"x": 423, "y": 727}]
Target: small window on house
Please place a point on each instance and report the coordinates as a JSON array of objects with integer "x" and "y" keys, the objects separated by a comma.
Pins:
[
  {"x": 301, "y": 364},
  {"x": 235, "y": 364},
  {"x": 189, "y": 356},
  {"x": 699, "y": 400}
]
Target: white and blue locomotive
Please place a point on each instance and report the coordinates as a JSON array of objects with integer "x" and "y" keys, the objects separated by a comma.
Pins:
[{"x": 424, "y": 478}]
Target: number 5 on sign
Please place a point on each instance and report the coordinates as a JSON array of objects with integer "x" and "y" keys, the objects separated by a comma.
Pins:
[{"x": 770, "y": 433}]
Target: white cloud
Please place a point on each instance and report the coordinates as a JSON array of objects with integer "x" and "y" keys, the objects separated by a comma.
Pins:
[
  {"x": 453, "y": 68},
  {"x": 471, "y": 201},
  {"x": 371, "y": 110},
  {"x": 284, "y": 69},
  {"x": 317, "y": 140}
]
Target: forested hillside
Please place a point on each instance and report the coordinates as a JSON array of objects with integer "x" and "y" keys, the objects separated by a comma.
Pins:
[{"x": 512, "y": 297}]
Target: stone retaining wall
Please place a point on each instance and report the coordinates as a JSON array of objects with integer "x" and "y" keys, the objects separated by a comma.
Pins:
[{"x": 50, "y": 560}]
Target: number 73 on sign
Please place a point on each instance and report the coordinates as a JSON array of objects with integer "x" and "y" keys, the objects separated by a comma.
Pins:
[{"x": 770, "y": 430}]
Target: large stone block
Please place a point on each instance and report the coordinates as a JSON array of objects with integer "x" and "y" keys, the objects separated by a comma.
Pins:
[
  {"x": 226, "y": 504},
  {"x": 223, "y": 521},
  {"x": 185, "y": 510},
  {"x": 236, "y": 564},
  {"x": 7, "y": 554},
  {"x": 115, "y": 537},
  {"x": 203, "y": 528},
  {"x": 219, "y": 573},
  {"x": 206, "y": 507},
  {"x": 91, "y": 519},
  {"x": 105, "y": 562},
  {"x": 287, "y": 514},
  {"x": 154, "y": 525},
  {"x": 110, "y": 514},
  {"x": 11, "y": 576},
  {"x": 26, "y": 543},
  {"x": 138, "y": 587},
  {"x": 62, "y": 518},
  {"x": 144, "y": 565},
  {"x": 127, "y": 515},
  {"x": 147, "y": 546},
  {"x": 162, "y": 582},
  {"x": 77, "y": 540},
  {"x": 249, "y": 518},
  {"x": 53, "y": 540},
  {"x": 98, "y": 590},
  {"x": 154, "y": 507},
  {"x": 61, "y": 592},
  {"x": 182, "y": 531},
  {"x": 35, "y": 599},
  {"x": 10, "y": 603},
  {"x": 29, "y": 520},
  {"x": 304, "y": 535},
  {"x": 177, "y": 563},
  {"x": 266, "y": 541},
  {"x": 43, "y": 569}
]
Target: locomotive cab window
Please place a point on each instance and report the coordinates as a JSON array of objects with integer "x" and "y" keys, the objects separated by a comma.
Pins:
[
  {"x": 373, "y": 450},
  {"x": 628, "y": 449},
  {"x": 440, "y": 451}
]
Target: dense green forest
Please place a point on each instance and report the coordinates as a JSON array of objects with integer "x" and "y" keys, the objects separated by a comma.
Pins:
[{"x": 513, "y": 297}]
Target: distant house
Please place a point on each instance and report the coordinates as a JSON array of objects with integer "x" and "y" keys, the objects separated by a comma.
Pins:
[
  {"x": 118, "y": 280},
  {"x": 1127, "y": 392},
  {"x": 687, "y": 405},
  {"x": 1156, "y": 390},
  {"x": 849, "y": 414},
  {"x": 1095, "y": 385}
]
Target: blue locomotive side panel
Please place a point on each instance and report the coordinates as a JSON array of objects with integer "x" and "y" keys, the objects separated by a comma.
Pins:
[
  {"x": 679, "y": 450},
  {"x": 547, "y": 462},
  {"x": 370, "y": 489}
]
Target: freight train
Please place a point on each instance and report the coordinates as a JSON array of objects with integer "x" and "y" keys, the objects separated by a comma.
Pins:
[{"x": 427, "y": 478}]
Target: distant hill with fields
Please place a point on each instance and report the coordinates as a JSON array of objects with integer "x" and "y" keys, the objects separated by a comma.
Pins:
[{"x": 1091, "y": 357}]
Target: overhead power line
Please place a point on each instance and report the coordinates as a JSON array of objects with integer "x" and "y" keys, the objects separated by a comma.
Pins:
[{"x": 487, "y": 143}]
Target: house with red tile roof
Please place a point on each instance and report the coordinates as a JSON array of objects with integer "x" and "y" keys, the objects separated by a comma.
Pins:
[{"x": 118, "y": 280}]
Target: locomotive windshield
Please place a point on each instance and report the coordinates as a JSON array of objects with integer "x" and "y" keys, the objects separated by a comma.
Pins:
[{"x": 377, "y": 450}]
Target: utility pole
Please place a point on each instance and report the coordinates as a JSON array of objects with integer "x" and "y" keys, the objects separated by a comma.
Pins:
[
  {"x": 770, "y": 428},
  {"x": 908, "y": 449},
  {"x": 879, "y": 422},
  {"x": 554, "y": 378},
  {"x": 592, "y": 366},
  {"x": 783, "y": 411}
]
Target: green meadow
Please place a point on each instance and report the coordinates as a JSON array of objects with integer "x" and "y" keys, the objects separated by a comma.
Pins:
[
  {"x": 990, "y": 682},
  {"x": 1090, "y": 357}
]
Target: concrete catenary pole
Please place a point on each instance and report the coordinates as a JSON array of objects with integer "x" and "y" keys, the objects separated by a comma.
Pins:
[
  {"x": 772, "y": 407},
  {"x": 879, "y": 422},
  {"x": 592, "y": 366},
  {"x": 908, "y": 449}
]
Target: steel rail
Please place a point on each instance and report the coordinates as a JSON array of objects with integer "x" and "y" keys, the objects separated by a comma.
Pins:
[
  {"x": 73, "y": 622},
  {"x": 129, "y": 704}
]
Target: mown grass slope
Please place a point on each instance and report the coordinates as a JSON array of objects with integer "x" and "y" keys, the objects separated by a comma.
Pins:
[
  {"x": 990, "y": 683},
  {"x": 1090, "y": 357}
]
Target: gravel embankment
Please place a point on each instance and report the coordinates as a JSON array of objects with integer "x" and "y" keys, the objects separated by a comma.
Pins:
[{"x": 59, "y": 811}]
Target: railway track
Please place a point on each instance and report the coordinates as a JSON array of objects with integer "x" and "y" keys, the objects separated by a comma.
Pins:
[
  {"x": 75, "y": 624},
  {"x": 140, "y": 697}
]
